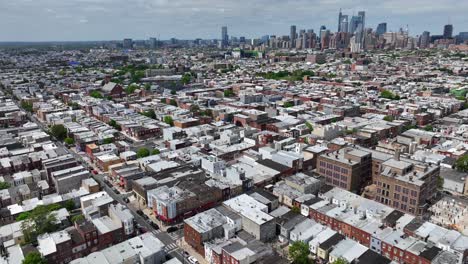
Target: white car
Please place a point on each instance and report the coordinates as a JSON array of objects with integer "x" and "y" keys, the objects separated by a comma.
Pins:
[{"x": 192, "y": 260}]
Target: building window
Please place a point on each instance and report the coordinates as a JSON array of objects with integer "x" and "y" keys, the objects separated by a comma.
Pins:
[
  {"x": 397, "y": 188},
  {"x": 396, "y": 196}
]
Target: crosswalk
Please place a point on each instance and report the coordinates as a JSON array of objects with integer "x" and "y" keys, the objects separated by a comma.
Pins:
[
  {"x": 174, "y": 236},
  {"x": 170, "y": 247},
  {"x": 157, "y": 231}
]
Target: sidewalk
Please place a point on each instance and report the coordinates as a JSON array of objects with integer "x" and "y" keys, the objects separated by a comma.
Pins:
[{"x": 184, "y": 246}]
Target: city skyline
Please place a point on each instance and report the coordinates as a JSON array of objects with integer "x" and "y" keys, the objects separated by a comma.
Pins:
[{"x": 76, "y": 20}]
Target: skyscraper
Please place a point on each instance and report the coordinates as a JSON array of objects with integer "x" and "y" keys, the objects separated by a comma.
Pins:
[
  {"x": 340, "y": 19},
  {"x": 362, "y": 15},
  {"x": 355, "y": 25},
  {"x": 292, "y": 33},
  {"x": 448, "y": 31},
  {"x": 425, "y": 40},
  {"x": 224, "y": 37},
  {"x": 381, "y": 29}
]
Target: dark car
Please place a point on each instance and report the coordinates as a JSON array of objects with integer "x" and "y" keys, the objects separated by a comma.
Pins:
[
  {"x": 139, "y": 212},
  {"x": 126, "y": 200},
  {"x": 186, "y": 254},
  {"x": 172, "y": 229},
  {"x": 154, "y": 225}
]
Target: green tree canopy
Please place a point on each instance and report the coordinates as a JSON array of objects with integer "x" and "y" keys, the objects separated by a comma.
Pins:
[
  {"x": 69, "y": 141},
  {"x": 173, "y": 102},
  {"x": 41, "y": 220},
  {"x": 107, "y": 140},
  {"x": 429, "y": 128},
  {"x": 4, "y": 185},
  {"x": 309, "y": 126},
  {"x": 186, "y": 78},
  {"x": 143, "y": 152},
  {"x": 296, "y": 209},
  {"x": 131, "y": 88},
  {"x": 114, "y": 124},
  {"x": 69, "y": 205},
  {"x": 149, "y": 113},
  {"x": 77, "y": 218},
  {"x": 389, "y": 95},
  {"x": 58, "y": 131},
  {"x": 34, "y": 258},
  {"x": 155, "y": 152},
  {"x": 462, "y": 163},
  {"x": 340, "y": 261},
  {"x": 388, "y": 118},
  {"x": 168, "y": 120},
  {"x": 173, "y": 92},
  {"x": 96, "y": 94},
  {"x": 27, "y": 106},
  {"x": 288, "y": 104},
  {"x": 299, "y": 252},
  {"x": 228, "y": 93}
]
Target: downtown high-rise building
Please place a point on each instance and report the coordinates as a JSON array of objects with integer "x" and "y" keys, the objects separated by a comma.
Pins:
[
  {"x": 381, "y": 29},
  {"x": 292, "y": 34},
  {"x": 424, "y": 40},
  {"x": 448, "y": 31},
  {"x": 224, "y": 37}
]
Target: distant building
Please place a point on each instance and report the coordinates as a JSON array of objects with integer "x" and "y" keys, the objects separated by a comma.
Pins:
[
  {"x": 381, "y": 29},
  {"x": 127, "y": 43},
  {"x": 448, "y": 31}
]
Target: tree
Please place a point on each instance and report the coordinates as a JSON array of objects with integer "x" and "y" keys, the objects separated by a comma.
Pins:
[
  {"x": 147, "y": 86},
  {"x": 440, "y": 182},
  {"x": 41, "y": 220},
  {"x": 296, "y": 210},
  {"x": 107, "y": 140},
  {"x": 150, "y": 113},
  {"x": 4, "y": 185},
  {"x": 309, "y": 126},
  {"x": 27, "y": 106},
  {"x": 389, "y": 95},
  {"x": 131, "y": 88},
  {"x": 173, "y": 92},
  {"x": 340, "y": 261},
  {"x": 299, "y": 252},
  {"x": 58, "y": 131},
  {"x": 95, "y": 94},
  {"x": 186, "y": 78},
  {"x": 77, "y": 218},
  {"x": 168, "y": 120},
  {"x": 114, "y": 124},
  {"x": 462, "y": 163},
  {"x": 194, "y": 108},
  {"x": 69, "y": 141},
  {"x": 288, "y": 104},
  {"x": 173, "y": 102},
  {"x": 429, "y": 128},
  {"x": 69, "y": 205},
  {"x": 228, "y": 93},
  {"x": 388, "y": 118},
  {"x": 155, "y": 152},
  {"x": 34, "y": 258},
  {"x": 143, "y": 152}
]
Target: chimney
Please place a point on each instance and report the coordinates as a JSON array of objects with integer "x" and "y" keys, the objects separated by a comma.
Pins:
[{"x": 397, "y": 154}]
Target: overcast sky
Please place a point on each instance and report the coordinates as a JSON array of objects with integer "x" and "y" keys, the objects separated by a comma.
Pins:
[{"x": 44, "y": 20}]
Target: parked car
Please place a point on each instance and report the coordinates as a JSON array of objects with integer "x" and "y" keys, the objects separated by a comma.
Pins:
[
  {"x": 186, "y": 254},
  {"x": 139, "y": 212},
  {"x": 192, "y": 260},
  {"x": 172, "y": 229},
  {"x": 126, "y": 200},
  {"x": 154, "y": 225}
]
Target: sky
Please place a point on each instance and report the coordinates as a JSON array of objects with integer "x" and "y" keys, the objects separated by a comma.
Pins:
[{"x": 81, "y": 20}]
